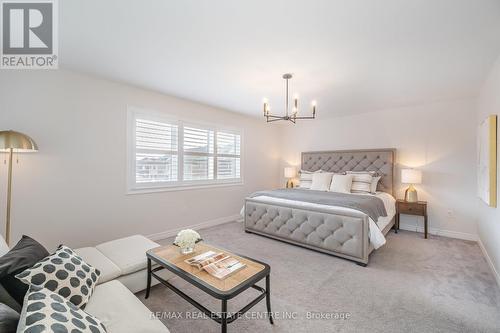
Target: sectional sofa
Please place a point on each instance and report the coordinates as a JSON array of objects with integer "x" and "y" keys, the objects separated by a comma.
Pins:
[{"x": 122, "y": 263}]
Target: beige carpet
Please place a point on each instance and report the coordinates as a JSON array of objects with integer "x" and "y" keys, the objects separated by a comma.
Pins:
[{"x": 410, "y": 285}]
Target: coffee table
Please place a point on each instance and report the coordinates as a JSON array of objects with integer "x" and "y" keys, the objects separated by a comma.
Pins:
[{"x": 169, "y": 257}]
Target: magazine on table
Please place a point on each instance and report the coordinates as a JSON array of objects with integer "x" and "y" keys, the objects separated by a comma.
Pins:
[{"x": 219, "y": 265}]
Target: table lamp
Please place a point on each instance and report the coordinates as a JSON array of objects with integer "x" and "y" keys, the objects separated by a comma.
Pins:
[
  {"x": 13, "y": 142},
  {"x": 412, "y": 177},
  {"x": 289, "y": 174}
]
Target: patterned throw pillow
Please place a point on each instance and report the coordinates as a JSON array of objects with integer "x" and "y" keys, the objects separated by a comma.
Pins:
[
  {"x": 362, "y": 181},
  {"x": 64, "y": 273},
  {"x": 306, "y": 178},
  {"x": 45, "y": 311},
  {"x": 374, "y": 185},
  {"x": 376, "y": 177}
]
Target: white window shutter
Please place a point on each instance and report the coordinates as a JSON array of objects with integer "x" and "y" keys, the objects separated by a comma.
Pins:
[
  {"x": 156, "y": 157},
  {"x": 198, "y": 154},
  {"x": 228, "y": 155}
]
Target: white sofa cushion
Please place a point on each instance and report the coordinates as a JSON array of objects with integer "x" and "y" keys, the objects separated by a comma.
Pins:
[
  {"x": 137, "y": 281},
  {"x": 129, "y": 253},
  {"x": 109, "y": 271},
  {"x": 4, "y": 248},
  {"x": 120, "y": 311}
]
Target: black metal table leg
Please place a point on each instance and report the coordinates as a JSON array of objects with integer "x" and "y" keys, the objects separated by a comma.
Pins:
[
  {"x": 268, "y": 299},
  {"x": 148, "y": 287},
  {"x": 224, "y": 316}
]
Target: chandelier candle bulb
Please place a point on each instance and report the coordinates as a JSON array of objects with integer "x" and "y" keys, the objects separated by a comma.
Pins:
[{"x": 264, "y": 101}]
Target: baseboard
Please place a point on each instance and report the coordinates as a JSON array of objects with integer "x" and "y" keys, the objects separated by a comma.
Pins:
[
  {"x": 489, "y": 261},
  {"x": 440, "y": 232},
  {"x": 203, "y": 225}
]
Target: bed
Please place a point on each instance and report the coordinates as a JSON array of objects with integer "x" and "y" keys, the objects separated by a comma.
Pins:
[{"x": 342, "y": 231}]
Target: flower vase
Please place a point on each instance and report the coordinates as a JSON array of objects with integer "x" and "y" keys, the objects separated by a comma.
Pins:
[{"x": 187, "y": 249}]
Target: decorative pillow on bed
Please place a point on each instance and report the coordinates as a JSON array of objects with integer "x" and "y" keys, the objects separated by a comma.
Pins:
[
  {"x": 306, "y": 178},
  {"x": 341, "y": 183},
  {"x": 65, "y": 273},
  {"x": 321, "y": 181},
  {"x": 361, "y": 181},
  {"x": 45, "y": 311},
  {"x": 373, "y": 186}
]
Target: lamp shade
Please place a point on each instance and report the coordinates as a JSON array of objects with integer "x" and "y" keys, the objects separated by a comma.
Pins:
[
  {"x": 289, "y": 172},
  {"x": 16, "y": 141},
  {"x": 411, "y": 176}
]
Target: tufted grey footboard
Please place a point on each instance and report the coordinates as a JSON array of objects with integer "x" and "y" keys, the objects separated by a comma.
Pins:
[{"x": 330, "y": 231}]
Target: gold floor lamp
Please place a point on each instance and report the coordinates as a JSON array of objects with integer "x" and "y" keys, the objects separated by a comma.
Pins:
[{"x": 13, "y": 142}]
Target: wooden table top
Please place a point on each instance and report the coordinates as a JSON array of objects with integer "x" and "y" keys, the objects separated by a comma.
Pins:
[{"x": 171, "y": 255}]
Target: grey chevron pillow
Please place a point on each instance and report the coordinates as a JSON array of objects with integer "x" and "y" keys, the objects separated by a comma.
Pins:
[{"x": 45, "y": 311}]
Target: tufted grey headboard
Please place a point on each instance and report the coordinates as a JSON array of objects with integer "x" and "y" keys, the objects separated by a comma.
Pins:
[{"x": 379, "y": 160}]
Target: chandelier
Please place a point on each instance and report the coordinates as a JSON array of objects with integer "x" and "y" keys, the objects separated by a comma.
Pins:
[{"x": 291, "y": 116}]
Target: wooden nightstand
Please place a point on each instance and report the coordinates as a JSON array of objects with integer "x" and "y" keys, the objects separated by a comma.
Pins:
[{"x": 411, "y": 208}]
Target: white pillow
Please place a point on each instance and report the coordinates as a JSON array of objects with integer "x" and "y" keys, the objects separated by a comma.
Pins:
[
  {"x": 341, "y": 183},
  {"x": 321, "y": 181},
  {"x": 306, "y": 178}
]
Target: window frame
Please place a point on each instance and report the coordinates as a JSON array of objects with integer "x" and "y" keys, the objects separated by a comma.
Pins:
[{"x": 133, "y": 187}]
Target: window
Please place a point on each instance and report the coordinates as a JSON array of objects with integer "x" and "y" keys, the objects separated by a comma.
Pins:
[
  {"x": 198, "y": 153},
  {"x": 170, "y": 153},
  {"x": 155, "y": 151},
  {"x": 228, "y": 155}
]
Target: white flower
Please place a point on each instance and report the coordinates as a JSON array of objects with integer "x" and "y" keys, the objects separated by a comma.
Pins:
[{"x": 187, "y": 238}]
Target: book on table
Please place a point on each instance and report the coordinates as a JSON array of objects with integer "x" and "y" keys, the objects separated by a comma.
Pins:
[{"x": 219, "y": 265}]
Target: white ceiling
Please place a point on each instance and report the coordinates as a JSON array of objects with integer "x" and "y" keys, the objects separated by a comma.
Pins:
[{"x": 351, "y": 56}]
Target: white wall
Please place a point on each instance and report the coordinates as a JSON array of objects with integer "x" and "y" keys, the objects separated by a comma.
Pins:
[
  {"x": 489, "y": 218},
  {"x": 438, "y": 138},
  {"x": 73, "y": 189}
]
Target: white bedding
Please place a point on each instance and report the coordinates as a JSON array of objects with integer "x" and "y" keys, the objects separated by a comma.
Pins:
[{"x": 376, "y": 236}]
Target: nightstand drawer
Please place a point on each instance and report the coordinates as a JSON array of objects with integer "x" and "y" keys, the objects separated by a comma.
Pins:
[{"x": 410, "y": 208}]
